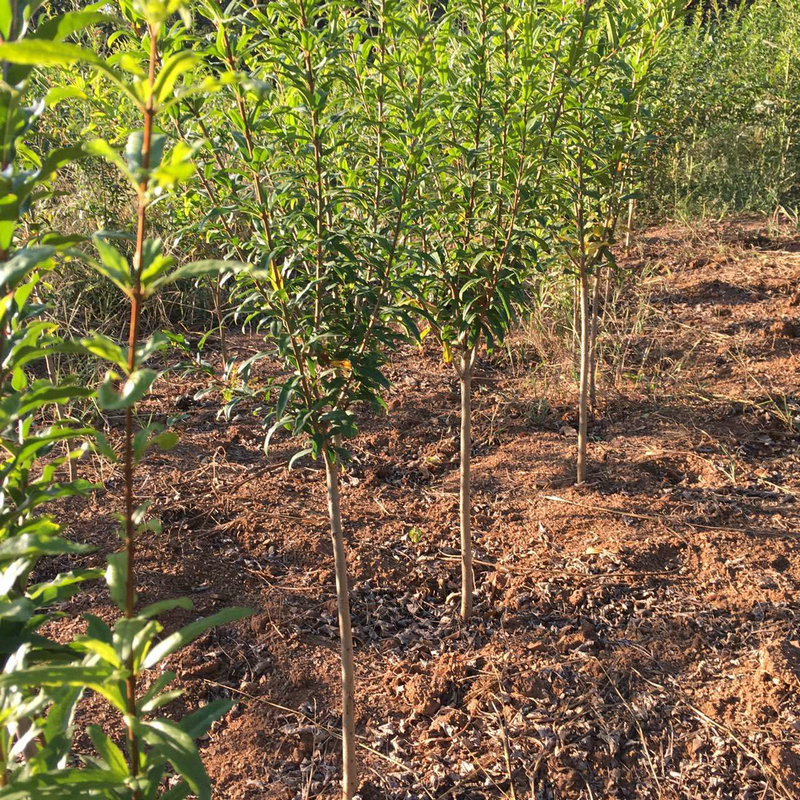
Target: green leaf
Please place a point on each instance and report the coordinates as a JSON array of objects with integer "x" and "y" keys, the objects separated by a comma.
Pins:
[
  {"x": 6, "y": 17},
  {"x": 99, "y": 678},
  {"x": 43, "y": 53},
  {"x": 190, "y": 632},
  {"x": 58, "y": 157},
  {"x": 63, "y": 784},
  {"x": 198, "y": 722},
  {"x": 162, "y": 606},
  {"x": 154, "y": 262},
  {"x": 178, "y": 167},
  {"x": 306, "y": 451},
  {"x": 58, "y": 93},
  {"x": 177, "y": 747},
  {"x": 62, "y": 587},
  {"x": 103, "y": 347},
  {"x": 17, "y": 610},
  {"x": 115, "y": 266},
  {"x": 58, "y": 28},
  {"x": 133, "y": 150},
  {"x": 174, "y": 66},
  {"x": 20, "y": 264},
  {"x": 159, "y": 701},
  {"x": 150, "y": 700},
  {"x": 37, "y": 544},
  {"x": 19, "y": 380},
  {"x": 197, "y": 269},
  {"x": 108, "y": 751},
  {"x": 117, "y": 577},
  {"x": 133, "y": 390},
  {"x": 106, "y": 651}
]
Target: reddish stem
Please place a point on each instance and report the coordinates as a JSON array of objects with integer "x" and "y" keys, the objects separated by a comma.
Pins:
[{"x": 133, "y": 338}]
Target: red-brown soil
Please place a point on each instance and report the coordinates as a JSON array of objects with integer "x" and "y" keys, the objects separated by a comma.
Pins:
[{"x": 635, "y": 638}]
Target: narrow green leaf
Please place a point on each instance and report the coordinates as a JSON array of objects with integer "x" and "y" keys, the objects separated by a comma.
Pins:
[
  {"x": 177, "y": 747},
  {"x": 108, "y": 751},
  {"x": 20, "y": 264},
  {"x": 117, "y": 576},
  {"x": 58, "y": 28},
  {"x": 103, "y": 347},
  {"x": 162, "y": 606},
  {"x": 133, "y": 390},
  {"x": 190, "y": 632},
  {"x": 43, "y": 53},
  {"x": 197, "y": 269},
  {"x": 174, "y": 66},
  {"x": 133, "y": 150},
  {"x": 198, "y": 722}
]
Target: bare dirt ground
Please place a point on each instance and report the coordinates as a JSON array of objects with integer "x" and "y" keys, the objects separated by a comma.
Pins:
[{"x": 635, "y": 638}]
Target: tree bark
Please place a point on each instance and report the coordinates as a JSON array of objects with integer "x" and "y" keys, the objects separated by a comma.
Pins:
[
  {"x": 583, "y": 403},
  {"x": 467, "y": 577},
  {"x": 349, "y": 765},
  {"x": 629, "y": 226},
  {"x": 593, "y": 340},
  {"x": 223, "y": 344},
  {"x": 575, "y": 315}
]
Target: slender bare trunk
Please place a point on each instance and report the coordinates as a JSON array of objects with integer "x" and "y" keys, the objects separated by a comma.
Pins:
[
  {"x": 349, "y": 766},
  {"x": 220, "y": 323},
  {"x": 467, "y": 576},
  {"x": 629, "y": 226},
  {"x": 128, "y": 454},
  {"x": 583, "y": 412},
  {"x": 575, "y": 316},
  {"x": 593, "y": 339}
]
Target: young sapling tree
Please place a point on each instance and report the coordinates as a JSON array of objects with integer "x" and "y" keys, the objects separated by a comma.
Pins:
[
  {"x": 601, "y": 146},
  {"x": 322, "y": 158},
  {"x": 114, "y": 659},
  {"x": 493, "y": 94}
]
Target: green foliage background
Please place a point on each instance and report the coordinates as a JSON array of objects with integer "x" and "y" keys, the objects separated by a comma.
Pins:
[{"x": 726, "y": 114}]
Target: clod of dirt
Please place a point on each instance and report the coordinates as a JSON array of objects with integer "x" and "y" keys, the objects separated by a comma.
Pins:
[
  {"x": 787, "y": 764},
  {"x": 780, "y": 661},
  {"x": 787, "y": 327}
]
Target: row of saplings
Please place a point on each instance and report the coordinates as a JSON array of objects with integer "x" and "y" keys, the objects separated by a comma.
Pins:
[{"x": 376, "y": 174}]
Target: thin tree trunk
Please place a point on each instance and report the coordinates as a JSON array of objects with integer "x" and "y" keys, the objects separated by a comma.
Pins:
[
  {"x": 349, "y": 766},
  {"x": 129, "y": 461},
  {"x": 575, "y": 315},
  {"x": 583, "y": 412},
  {"x": 629, "y": 226},
  {"x": 593, "y": 339},
  {"x": 467, "y": 576},
  {"x": 220, "y": 323}
]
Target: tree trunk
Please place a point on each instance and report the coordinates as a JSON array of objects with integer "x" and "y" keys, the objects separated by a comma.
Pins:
[
  {"x": 575, "y": 315},
  {"x": 593, "y": 340},
  {"x": 223, "y": 344},
  {"x": 349, "y": 766},
  {"x": 467, "y": 576},
  {"x": 583, "y": 411},
  {"x": 629, "y": 227}
]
